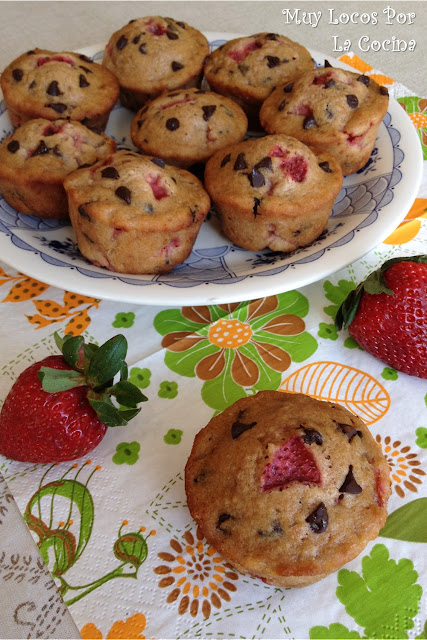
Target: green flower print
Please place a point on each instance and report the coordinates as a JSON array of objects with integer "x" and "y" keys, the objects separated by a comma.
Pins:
[
  {"x": 140, "y": 377},
  {"x": 126, "y": 453},
  {"x": 124, "y": 320},
  {"x": 236, "y": 349},
  {"x": 389, "y": 374},
  {"x": 351, "y": 343},
  {"x": 421, "y": 440},
  {"x": 336, "y": 294},
  {"x": 327, "y": 331},
  {"x": 373, "y": 600},
  {"x": 168, "y": 390},
  {"x": 173, "y": 436}
]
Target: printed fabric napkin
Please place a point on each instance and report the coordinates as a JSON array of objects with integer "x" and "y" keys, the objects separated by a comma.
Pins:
[{"x": 114, "y": 529}]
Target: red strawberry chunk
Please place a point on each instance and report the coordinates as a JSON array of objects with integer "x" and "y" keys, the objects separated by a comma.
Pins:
[
  {"x": 292, "y": 462},
  {"x": 322, "y": 79},
  {"x": 240, "y": 54},
  {"x": 302, "y": 110},
  {"x": 295, "y": 167},
  {"x": 278, "y": 152},
  {"x": 158, "y": 189},
  {"x": 66, "y": 59},
  {"x": 157, "y": 29}
]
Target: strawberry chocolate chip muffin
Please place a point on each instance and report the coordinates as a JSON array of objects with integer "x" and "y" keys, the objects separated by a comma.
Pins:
[
  {"x": 134, "y": 214},
  {"x": 36, "y": 157},
  {"x": 45, "y": 84},
  {"x": 273, "y": 192},
  {"x": 188, "y": 126},
  {"x": 287, "y": 488},
  {"x": 332, "y": 110},
  {"x": 152, "y": 55},
  {"x": 247, "y": 69}
]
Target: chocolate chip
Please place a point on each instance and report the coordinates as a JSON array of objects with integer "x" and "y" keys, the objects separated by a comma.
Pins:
[
  {"x": 124, "y": 194},
  {"x": 238, "y": 427},
  {"x": 309, "y": 121},
  {"x": 265, "y": 163},
  {"x": 13, "y": 146},
  {"x": 85, "y": 69},
  {"x": 85, "y": 58},
  {"x": 171, "y": 35},
  {"x": 172, "y": 124},
  {"x": 256, "y": 179},
  {"x": 223, "y": 518},
  {"x": 349, "y": 431},
  {"x": 272, "y": 61},
  {"x": 282, "y": 105},
  {"x": 208, "y": 111},
  {"x": 176, "y": 66},
  {"x": 181, "y": 24},
  {"x": 83, "y": 212},
  {"x": 17, "y": 74},
  {"x": 53, "y": 89},
  {"x": 139, "y": 123},
  {"x": 110, "y": 172},
  {"x": 41, "y": 150},
  {"x": 159, "y": 162},
  {"x": 275, "y": 530},
  {"x": 240, "y": 162},
  {"x": 330, "y": 83},
  {"x": 121, "y": 42},
  {"x": 312, "y": 436},
  {"x": 32, "y": 84},
  {"x": 364, "y": 80},
  {"x": 142, "y": 48},
  {"x": 271, "y": 36},
  {"x": 31, "y": 52},
  {"x": 56, "y": 151},
  {"x": 318, "y": 519},
  {"x": 136, "y": 39},
  {"x": 327, "y": 63},
  {"x": 83, "y": 81},
  {"x": 243, "y": 68},
  {"x": 383, "y": 91},
  {"x": 288, "y": 87},
  {"x": 148, "y": 207},
  {"x": 352, "y": 101},
  {"x": 59, "y": 107},
  {"x": 350, "y": 485},
  {"x": 257, "y": 202},
  {"x": 85, "y": 165},
  {"x": 225, "y": 159},
  {"x": 325, "y": 166}
]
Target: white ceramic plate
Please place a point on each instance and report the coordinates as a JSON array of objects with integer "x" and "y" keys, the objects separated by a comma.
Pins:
[{"x": 369, "y": 207}]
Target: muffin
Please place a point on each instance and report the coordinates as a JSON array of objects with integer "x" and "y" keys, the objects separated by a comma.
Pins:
[
  {"x": 134, "y": 214},
  {"x": 152, "y": 55},
  {"x": 331, "y": 110},
  {"x": 273, "y": 192},
  {"x": 247, "y": 69},
  {"x": 287, "y": 488},
  {"x": 186, "y": 127},
  {"x": 37, "y": 156},
  {"x": 45, "y": 84}
]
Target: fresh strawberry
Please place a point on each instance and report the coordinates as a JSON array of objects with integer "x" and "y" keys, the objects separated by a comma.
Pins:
[
  {"x": 59, "y": 408},
  {"x": 387, "y": 314},
  {"x": 292, "y": 462}
]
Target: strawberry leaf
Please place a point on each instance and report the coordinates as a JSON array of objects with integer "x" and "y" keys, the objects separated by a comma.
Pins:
[
  {"x": 126, "y": 393},
  {"x": 71, "y": 350},
  {"x": 105, "y": 409},
  {"x": 107, "y": 361},
  {"x": 54, "y": 380}
]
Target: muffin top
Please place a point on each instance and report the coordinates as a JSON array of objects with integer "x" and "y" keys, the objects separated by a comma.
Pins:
[
  {"x": 188, "y": 126},
  {"x": 131, "y": 191},
  {"x": 252, "y": 66},
  {"x": 155, "y": 54},
  {"x": 50, "y": 149},
  {"x": 51, "y": 85},
  {"x": 257, "y": 175},
  {"x": 323, "y": 102},
  {"x": 283, "y": 485}
]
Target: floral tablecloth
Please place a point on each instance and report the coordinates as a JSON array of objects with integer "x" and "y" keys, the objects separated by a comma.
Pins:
[{"x": 114, "y": 528}]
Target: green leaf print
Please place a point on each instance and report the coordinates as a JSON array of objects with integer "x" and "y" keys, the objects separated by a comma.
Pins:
[
  {"x": 410, "y": 102},
  {"x": 383, "y": 600},
  {"x": 184, "y": 363},
  {"x": 299, "y": 347},
  {"x": 336, "y": 294},
  {"x": 172, "y": 320},
  {"x": 408, "y": 522}
]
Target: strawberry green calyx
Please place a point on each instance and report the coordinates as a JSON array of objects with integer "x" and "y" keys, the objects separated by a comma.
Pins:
[
  {"x": 375, "y": 283},
  {"x": 95, "y": 367}
]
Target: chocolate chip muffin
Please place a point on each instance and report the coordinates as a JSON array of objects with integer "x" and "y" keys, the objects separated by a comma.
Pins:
[
  {"x": 247, "y": 69},
  {"x": 152, "y": 55},
  {"x": 287, "y": 488},
  {"x": 332, "y": 110},
  {"x": 186, "y": 127},
  {"x": 45, "y": 84},
  {"x": 273, "y": 192},
  {"x": 37, "y": 156},
  {"x": 134, "y": 214}
]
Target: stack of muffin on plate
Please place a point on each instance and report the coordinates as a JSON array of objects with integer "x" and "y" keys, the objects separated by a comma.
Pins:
[{"x": 140, "y": 212}]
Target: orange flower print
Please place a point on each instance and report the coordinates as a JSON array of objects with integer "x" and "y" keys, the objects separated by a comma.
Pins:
[
  {"x": 129, "y": 629},
  {"x": 195, "y": 575},
  {"x": 404, "y": 466}
]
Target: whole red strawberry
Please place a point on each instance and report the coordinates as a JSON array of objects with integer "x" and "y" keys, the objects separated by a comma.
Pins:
[
  {"x": 59, "y": 408},
  {"x": 387, "y": 314}
]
